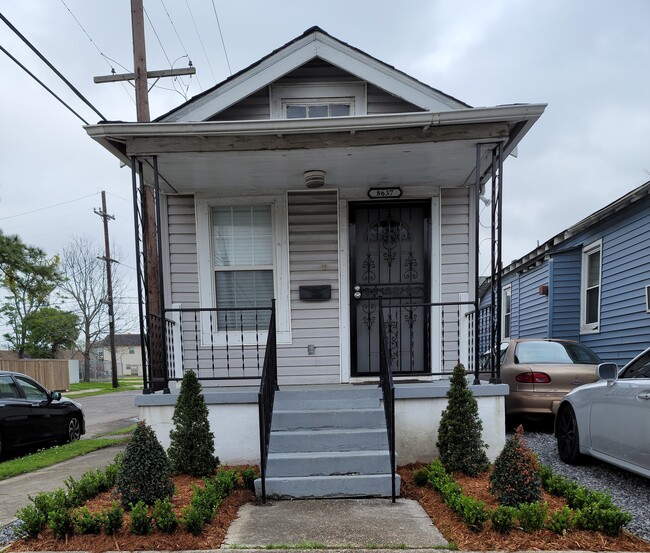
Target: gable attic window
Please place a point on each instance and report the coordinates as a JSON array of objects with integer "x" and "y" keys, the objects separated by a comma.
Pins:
[
  {"x": 590, "y": 288},
  {"x": 307, "y": 100}
]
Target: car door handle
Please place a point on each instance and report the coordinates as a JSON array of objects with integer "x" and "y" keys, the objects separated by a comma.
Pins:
[{"x": 643, "y": 396}]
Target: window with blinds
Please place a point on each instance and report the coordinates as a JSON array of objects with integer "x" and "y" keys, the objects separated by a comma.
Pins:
[
  {"x": 242, "y": 238},
  {"x": 590, "y": 293}
]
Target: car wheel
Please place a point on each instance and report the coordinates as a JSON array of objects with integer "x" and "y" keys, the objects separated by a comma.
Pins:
[
  {"x": 73, "y": 429},
  {"x": 568, "y": 443}
]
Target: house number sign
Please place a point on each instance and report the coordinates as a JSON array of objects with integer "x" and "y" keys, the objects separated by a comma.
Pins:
[{"x": 384, "y": 193}]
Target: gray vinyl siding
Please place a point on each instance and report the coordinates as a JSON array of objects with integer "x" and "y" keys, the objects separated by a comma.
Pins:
[
  {"x": 257, "y": 106},
  {"x": 184, "y": 278},
  {"x": 565, "y": 295},
  {"x": 313, "y": 260},
  {"x": 454, "y": 264},
  {"x": 533, "y": 307}
]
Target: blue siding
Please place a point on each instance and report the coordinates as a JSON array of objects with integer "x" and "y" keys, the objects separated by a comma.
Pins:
[
  {"x": 565, "y": 295},
  {"x": 533, "y": 307}
]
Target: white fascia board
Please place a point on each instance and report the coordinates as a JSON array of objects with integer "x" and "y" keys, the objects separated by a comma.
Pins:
[
  {"x": 299, "y": 53},
  {"x": 123, "y": 131}
]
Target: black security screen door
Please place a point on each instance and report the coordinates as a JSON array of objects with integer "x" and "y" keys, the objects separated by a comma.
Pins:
[{"x": 389, "y": 263}]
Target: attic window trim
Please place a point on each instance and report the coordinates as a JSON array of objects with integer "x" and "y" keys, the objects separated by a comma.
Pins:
[{"x": 354, "y": 93}]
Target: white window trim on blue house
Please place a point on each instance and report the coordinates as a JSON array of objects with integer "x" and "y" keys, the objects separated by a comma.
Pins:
[
  {"x": 506, "y": 315},
  {"x": 587, "y": 252}
]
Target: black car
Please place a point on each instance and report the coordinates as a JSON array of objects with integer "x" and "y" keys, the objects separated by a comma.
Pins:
[{"x": 31, "y": 414}]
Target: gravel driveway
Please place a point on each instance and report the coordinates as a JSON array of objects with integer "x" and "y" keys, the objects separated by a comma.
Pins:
[{"x": 630, "y": 492}]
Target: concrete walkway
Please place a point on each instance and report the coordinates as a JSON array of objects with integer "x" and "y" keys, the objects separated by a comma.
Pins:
[{"x": 335, "y": 523}]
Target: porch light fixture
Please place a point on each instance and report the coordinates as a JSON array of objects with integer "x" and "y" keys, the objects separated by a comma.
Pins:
[{"x": 314, "y": 178}]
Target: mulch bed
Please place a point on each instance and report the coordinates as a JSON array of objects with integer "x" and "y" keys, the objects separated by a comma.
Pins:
[
  {"x": 211, "y": 538},
  {"x": 456, "y": 531}
]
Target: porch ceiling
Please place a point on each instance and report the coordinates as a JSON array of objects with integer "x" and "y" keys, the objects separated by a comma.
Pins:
[{"x": 356, "y": 152}]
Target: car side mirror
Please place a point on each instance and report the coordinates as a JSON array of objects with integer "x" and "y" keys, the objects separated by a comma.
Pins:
[
  {"x": 608, "y": 371},
  {"x": 56, "y": 396}
]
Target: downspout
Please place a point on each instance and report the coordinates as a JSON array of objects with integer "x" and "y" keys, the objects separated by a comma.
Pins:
[{"x": 549, "y": 310}]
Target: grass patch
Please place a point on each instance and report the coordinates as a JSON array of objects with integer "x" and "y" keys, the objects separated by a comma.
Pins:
[
  {"x": 86, "y": 389},
  {"x": 52, "y": 456},
  {"x": 122, "y": 431}
]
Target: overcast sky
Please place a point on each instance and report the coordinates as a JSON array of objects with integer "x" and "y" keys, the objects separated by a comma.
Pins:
[{"x": 588, "y": 59}]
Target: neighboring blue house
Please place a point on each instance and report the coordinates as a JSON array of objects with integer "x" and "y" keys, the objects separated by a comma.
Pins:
[{"x": 589, "y": 283}]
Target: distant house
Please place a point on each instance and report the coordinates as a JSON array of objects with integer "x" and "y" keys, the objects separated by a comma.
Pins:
[
  {"x": 319, "y": 215},
  {"x": 589, "y": 283},
  {"x": 128, "y": 354}
]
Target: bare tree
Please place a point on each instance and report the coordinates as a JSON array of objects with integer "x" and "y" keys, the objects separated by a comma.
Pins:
[{"x": 85, "y": 283}]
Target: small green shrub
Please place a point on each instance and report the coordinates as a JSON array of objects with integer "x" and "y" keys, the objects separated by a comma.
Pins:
[
  {"x": 144, "y": 473},
  {"x": 46, "y": 502},
  {"x": 193, "y": 520},
  {"x": 60, "y": 521},
  {"x": 86, "y": 522},
  {"x": 224, "y": 481},
  {"x": 460, "y": 443},
  {"x": 91, "y": 484},
  {"x": 560, "y": 486},
  {"x": 112, "y": 470},
  {"x": 580, "y": 497},
  {"x": 191, "y": 450},
  {"x": 515, "y": 478},
  {"x": 249, "y": 475},
  {"x": 32, "y": 521},
  {"x": 164, "y": 516},
  {"x": 141, "y": 522},
  {"x": 420, "y": 476},
  {"x": 473, "y": 512},
  {"x": 503, "y": 519},
  {"x": 532, "y": 516},
  {"x": 545, "y": 473},
  {"x": 113, "y": 518},
  {"x": 561, "y": 521},
  {"x": 608, "y": 520}
]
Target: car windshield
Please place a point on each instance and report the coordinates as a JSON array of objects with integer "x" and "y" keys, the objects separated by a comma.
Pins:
[
  {"x": 555, "y": 352},
  {"x": 639, "y": 368}
]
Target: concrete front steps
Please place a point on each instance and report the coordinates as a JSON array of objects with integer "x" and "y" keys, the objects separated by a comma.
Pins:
[{"x": 328, "y": 442}]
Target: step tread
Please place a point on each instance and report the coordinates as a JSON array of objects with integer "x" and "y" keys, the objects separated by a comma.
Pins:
[
  {"x": 322, "y": 431},
  {"x": 328, "y": 454}
]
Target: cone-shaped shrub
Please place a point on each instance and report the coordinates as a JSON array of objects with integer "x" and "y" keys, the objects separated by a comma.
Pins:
[
  {"x": 144, "y": 474},
  {"x": 460, "y": 444},
  {"x": 515, "y": 478},
  {"x": 192, "y": 444}
]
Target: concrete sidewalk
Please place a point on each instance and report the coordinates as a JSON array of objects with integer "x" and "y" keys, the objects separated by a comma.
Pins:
[
  {"x": 15, "y": 492},
  {"x": 334, "y": 523}
]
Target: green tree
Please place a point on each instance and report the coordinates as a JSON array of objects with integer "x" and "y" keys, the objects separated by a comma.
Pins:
[
  {"x": 460, "y": 443},
  {"x": 49, "y": 330},
  {"x": 29, "y": 277},
  {"x": 192, "y": 444}
]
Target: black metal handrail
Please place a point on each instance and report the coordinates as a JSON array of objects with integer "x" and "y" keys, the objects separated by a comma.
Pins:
[
  {"x": 388, "y": 394},
  {"x": 239, "y": 356},
  {"x": 266, "y": 397}
]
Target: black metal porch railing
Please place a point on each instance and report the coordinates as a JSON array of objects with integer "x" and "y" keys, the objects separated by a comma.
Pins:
[
  {"x": 218, "y": 344},
  {"x": 411, "y": 329},
  {"x": 388, "y": 394},
  {"x": 488, "y": 362},
  {"x": 266, "y": 397}
]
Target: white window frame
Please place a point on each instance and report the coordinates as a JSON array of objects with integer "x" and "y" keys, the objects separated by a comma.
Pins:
[
  {"x": 594, "y": 327},
  {"x": 296, "y": 93},
  {"x": 506, "y": 291},
  {"x": 205, "y": 257}
]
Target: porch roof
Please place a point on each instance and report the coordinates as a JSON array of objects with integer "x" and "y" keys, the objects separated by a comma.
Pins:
[{"x": 372, "y": 150}]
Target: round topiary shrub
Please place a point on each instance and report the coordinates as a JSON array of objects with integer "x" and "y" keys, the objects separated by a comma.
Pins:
[
  {"x": 192, "y": 444},
  {"x": 515, "y": 478},
  {"x": 145, "y": 473},
  {"x": 460, "y": 444}
]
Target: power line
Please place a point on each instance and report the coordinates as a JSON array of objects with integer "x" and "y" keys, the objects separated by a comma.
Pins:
[
  {"x": 48, "y": 207},
  {"x": 221, "y": 34},
  {"x": 42, "y": 84},
  {"x": 47, "y": 62},
  {"x": 200, "y": 39},
  {"x": 104, "y": 56}
]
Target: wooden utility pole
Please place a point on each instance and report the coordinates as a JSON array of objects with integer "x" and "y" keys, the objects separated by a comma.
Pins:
[
  {"x": 140, "y": 77},
  {"x": 109, "y": 288}
]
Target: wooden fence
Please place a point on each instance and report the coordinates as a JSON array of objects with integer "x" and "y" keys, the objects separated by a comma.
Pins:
[{"x": 51, "y": 373}]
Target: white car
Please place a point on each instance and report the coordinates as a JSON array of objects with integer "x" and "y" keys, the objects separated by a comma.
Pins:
[{"x": 609, "y": 419}]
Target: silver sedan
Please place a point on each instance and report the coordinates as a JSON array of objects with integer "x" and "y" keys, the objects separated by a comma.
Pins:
[{"x": 609, "y": 419}]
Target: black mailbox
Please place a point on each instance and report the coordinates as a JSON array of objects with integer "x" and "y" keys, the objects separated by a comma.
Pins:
[{"x": 319, "y": 292}]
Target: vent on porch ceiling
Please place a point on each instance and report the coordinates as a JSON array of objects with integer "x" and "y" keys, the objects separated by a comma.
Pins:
[{"x": 314, "y": 178}]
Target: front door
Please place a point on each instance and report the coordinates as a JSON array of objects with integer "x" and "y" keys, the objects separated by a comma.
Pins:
[{"x": 389, "y": 270}]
